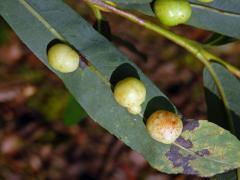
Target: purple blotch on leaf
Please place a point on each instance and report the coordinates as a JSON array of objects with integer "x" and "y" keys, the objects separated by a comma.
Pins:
[
  {"x": 191, "y": 125},
  {"x": 204, "y": 152},
  {"x": 179, "y": 160},
  {"x": 185, "y": 143},
  {"x": 174, "y": 156}
]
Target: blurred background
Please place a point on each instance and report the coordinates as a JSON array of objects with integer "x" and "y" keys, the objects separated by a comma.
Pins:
[{"x": 37, "y": 140}]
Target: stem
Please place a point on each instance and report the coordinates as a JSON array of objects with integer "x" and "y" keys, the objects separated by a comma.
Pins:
[
  {"x": 193, "y": 47},
  {"x": 97, "y": 13}
]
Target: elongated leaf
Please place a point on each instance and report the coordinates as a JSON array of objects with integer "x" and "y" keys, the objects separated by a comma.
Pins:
[
  {"x": 216, "y": 110},
  {"x": 227, "y": 6},
  {"x": 218, "y": 39},
  {"x": 220, "y": 16},
  {"x": 38, "y": 23}
]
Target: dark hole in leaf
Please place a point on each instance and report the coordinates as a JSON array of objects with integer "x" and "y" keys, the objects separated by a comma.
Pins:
[
  {"x": 53, "y": 42},
  {"x": 123, "y": 71},
  {"x": 158, "y": 103}
]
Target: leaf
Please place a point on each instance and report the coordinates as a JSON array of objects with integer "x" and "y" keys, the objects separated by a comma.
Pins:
[
  {"x": 211, "y": 149},
  {"x": 74, "y": 113},
  {"x": 216, "y": 111},
  {"x": 218, "y": 39},
  {"x": 39, "y": 23},
  {"x": 221, "y": 16}
]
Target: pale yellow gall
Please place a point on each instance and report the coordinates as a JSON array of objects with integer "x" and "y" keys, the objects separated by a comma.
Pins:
[
  {"x": 130, "y": 93},
  {"x": 63, "y": 58}
]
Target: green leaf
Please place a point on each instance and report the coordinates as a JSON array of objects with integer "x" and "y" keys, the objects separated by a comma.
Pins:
[
  {"x": 218, "y": 39},
  {"x": 228, "y": 6},
  {"x": 220, "y": 16},
  {"x": 216, "y": 111},
  {"x": 37, "y": 23},
  {"x": 74, "y": 113}
]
